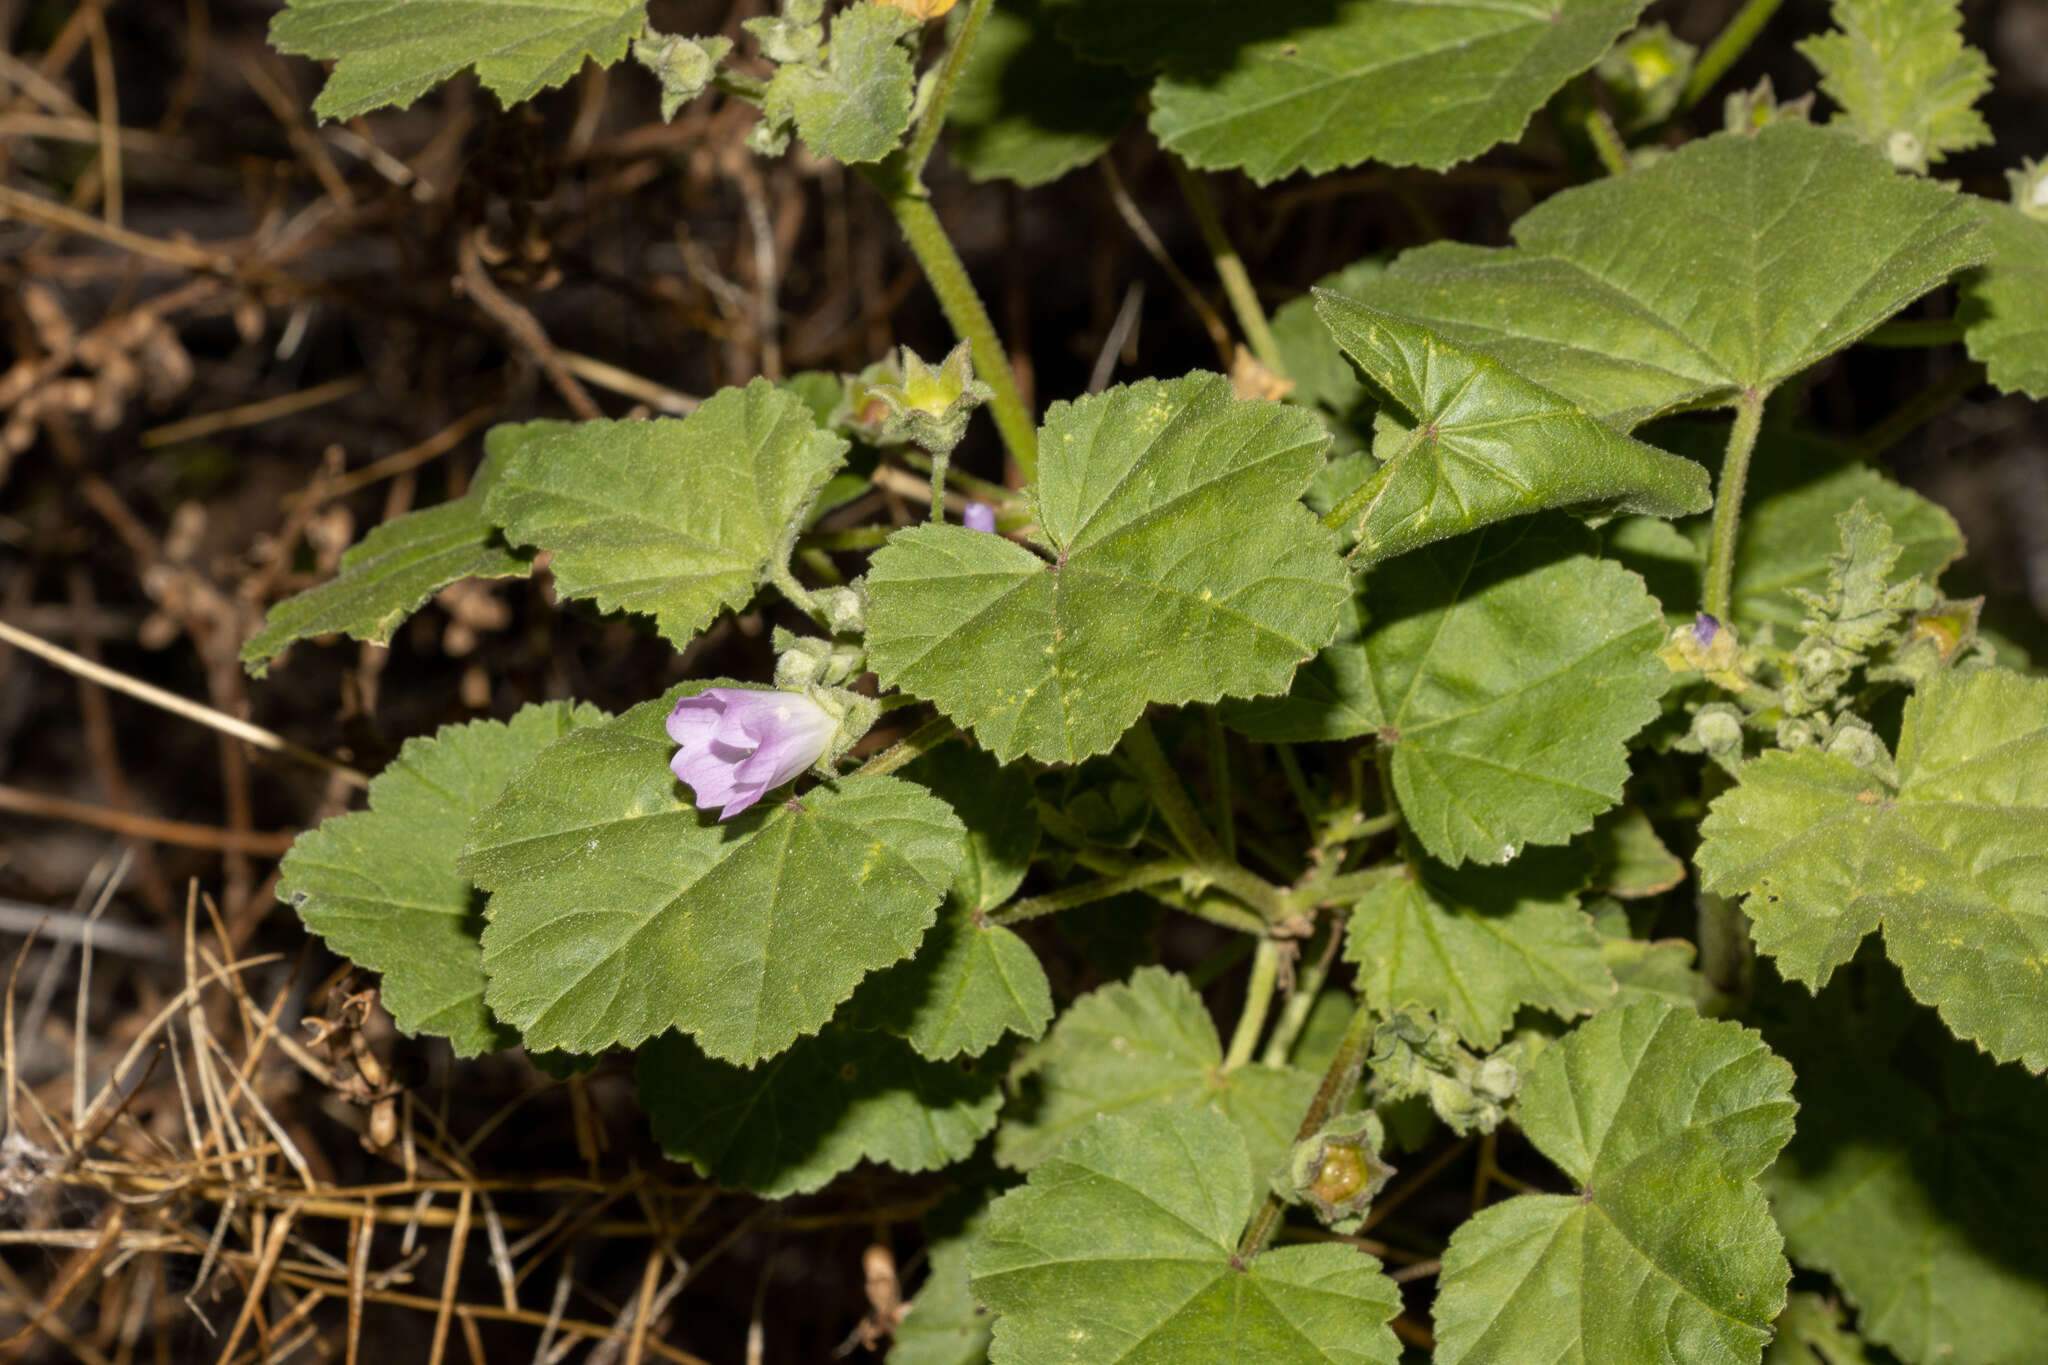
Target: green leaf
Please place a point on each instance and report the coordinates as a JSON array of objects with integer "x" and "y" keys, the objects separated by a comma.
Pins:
[
  {"x": 1795, "y": 242},
  {"x": 1503, "y": 673},
  {"x": 1810, "y": 1332},
  {"x": 1667, "y": 1252},
  {"x": 382, "y": 888},
  {"x": 2005, "y": 305},
  {"x": 1484, "y": 444},
  {"x": 1474, "y": 945},
  {"x": 618, "y": 911},
  {"x": 999, "y": 809},
  {"x": 790, "y": 1124},
  {"x": 394, "y": 569},
  {"x": 946, "y": 1325},
  {"x": 676, "y": 518},
  {"x": 394, "y": 51},
  {"x": 1184, "y": 569},
  {"x": 1139, "y": 1045},
  {"x": 970, "y": 983},
  {"x": 1321, "y": 374},
  {"x": 1906, "y": 82},
  {"x": 1122, "y": 1248},
  {"x": 856, "y": 105},
  {"x": 1312, "y": 85},
  {"x": 1952, "y": 862},
  {"x": 1630, "y": 861},
  {"x": 1915, "y": 1179},
  {"x": 1027, "y": 109}
]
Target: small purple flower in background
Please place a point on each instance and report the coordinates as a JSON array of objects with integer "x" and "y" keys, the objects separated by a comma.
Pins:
[
  {"x": 979, "y": 516},
  {"x": 739, "y": 744},
  {"x": 1704, "y": 629}
]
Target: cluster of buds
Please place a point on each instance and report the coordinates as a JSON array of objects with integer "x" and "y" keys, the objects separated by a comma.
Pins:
[
  {"x": 1413, "y": 1054},
  {"x": 684, "y": 66}
]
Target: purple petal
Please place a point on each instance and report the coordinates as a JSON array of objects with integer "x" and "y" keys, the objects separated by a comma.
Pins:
[
  {"x": 737, "y": 744},
  {"x": 979, "y": 516},
  {"x": 695, "y": 717},
  {"x": 1704, "y": 629}
]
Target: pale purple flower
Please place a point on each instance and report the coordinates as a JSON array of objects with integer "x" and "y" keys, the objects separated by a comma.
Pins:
[
  {"x": 979, "y": 516},
  {"x": 1704, "y": 629},
  {"x": 739, "y": 744}
]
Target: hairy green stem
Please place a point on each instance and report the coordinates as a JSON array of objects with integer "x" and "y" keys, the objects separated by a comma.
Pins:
[
  {"x": 1607, "y": 143},
  {"x": 1164, "y": 787},
  {"x": 1237, "y": 283},
  {"x": 1308, "y": 984},
  {"x": 1258, "y": 1001},
  {"x": 1218, "y": 743},
  {"x": 918, "y": 742},
  {"x": 1916, "y": 411},
  {"x": 933, "y": 121},
  {"x": 1349, "y": 886},
  {"x": 963, "y": 308},
  {"x": 1728, "y": 503},
  {"x": 1339, "y": 1079},
  {"x": 1086, "y": 893},
  {"x": 1218, "y": 910},
  {"x": 1726, "y": 49},
  {"x": 940, "y": 459}
]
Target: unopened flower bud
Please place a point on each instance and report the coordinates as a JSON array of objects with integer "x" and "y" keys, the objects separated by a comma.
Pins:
[
  {"x": 739, "y": 743},
  {"x": 979, "y": 516}
]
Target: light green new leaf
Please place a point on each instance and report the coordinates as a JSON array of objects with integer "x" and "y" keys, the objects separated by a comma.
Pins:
[
  {"x": 1027, "y": 109},
  {"x": 1184, "y": 569},
  {"x": 1313, "y": 85},
  {"x": 1795, "y": 241},
  {"x": 1953, "y": 862},
  {"x": 676, "y": 518},
  {"x": 1474, "y": 945},
  {"x": 381, "y": 886},
  {"x": 1906, "y": 82},
  {"x": 970, "y": 983},
  {"x": 2005, "y": 305},
  {"x": 1139, "y": 1045},
  {"x": 945, "y": 1326},
  {"x": 618, "y": 911},
  {"x": 1503, "y": 673},
  {"x": 855, "y": 106},
  {"x": 386, "y": 576},
  {"x": 1667, "y": 1255},
  {"x": 1484, "y": 444},
  {"x": 394, "y": 51},
  {"x": 1122, "y": 1248},
  {"x": 1915, "y": 1179},
  {"x": 790, "y": 1124}
]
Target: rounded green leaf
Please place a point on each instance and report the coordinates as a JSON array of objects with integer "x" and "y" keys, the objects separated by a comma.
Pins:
[
  {"x": 382, "y": 886},
  {"x": 1953, "y": 862},
  {"x": 2005, "y": 305},
  {"x": 1795, "y": 241},
  {"x": 1484, "y": 444},
  {"x": 791, "y": 1123},
  {"x": 1915, "y": 1178},
  {"x": 1136, "y": 1045},
  {"x": 1667, "y": 1255},
  {"x": 1183, "y": 568},
  {"x": 855, "y": 104},
  {"x": 970, "y": 983},
  {"x": 1476, "y": 944},
  {"x": 674, "y": 517},
  {"x": 394, "y": 569},
  {"x": 1502, "y": 672},
  {"x": 1123, "y": 1248},
  {"x": 618, "y": 911},
  {"x": 394, "y": 51}
]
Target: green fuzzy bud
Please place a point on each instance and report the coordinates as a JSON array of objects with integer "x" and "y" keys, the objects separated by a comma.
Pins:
[
  {"x": 795, "y": 35},
  {"x": 1645, "y": 73},
  {"x": 927, "y": 407},
  {"x": 1337, "y": 1171},
  {"x": 684, "y": 66},
  {"x": 1747, "y": 111},
  {"x": 2030, "y": 188}
]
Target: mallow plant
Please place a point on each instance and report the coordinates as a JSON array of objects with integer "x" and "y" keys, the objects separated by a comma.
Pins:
[{"x": 1566, "y": 747}]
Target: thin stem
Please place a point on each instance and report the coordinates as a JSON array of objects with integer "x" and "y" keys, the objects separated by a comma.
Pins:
[
  {"x": 1304, "y": 797},
  {"x": 1165, "y": 789},
  {"x": 1728, "y": 503},
  {"x": 1349, "y": 886},
  {"x": 963, "y": 308},
  {"x": 933, "y": 121},
  {"x": 1237, "y": 283},
  {"x": 1258, "y": 1001},
  {"x": 1607, "y": 143},
  {"x": 1219, "y": 777},
  {"x": 738, "y": 84},
  {"x": 1102, "y": 888},
  {"x": 1308, "y": 984},
  {"x": 917, "y": 743},
  {"x": 1726, "y": 49},
  {"x": 1921, "y": 408},
  {"x": 1339, "y": 1079},
  {"x": 940, "y": 459}
]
